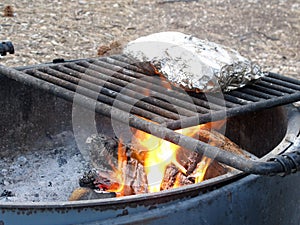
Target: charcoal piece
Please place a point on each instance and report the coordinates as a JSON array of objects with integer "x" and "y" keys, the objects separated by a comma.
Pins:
[
  {"x": 103, "y": 151},
  {"x": 182, "y": 180},
  {"x": 88, "y": 179},
  {"x": 97, "y": 180},
  {"x": 193, "y": 160},
  {"x": 104, "y": 181},
  {"x": 169, "y": 177},
  {"x": 88, "y": 194},
  {"x": 135, "y": 177},
  {"x": 7, "y": 193}
]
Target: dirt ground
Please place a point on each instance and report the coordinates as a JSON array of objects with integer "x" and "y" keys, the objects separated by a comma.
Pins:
[{"x": 267, "y": 32}]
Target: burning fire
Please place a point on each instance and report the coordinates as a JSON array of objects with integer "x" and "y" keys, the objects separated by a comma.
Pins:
[
  {"x": 160, "y": 153},
  {"x": 156, "y": 154}
]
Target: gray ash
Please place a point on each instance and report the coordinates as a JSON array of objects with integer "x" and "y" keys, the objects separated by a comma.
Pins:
[{"x": 49, "y": 174}]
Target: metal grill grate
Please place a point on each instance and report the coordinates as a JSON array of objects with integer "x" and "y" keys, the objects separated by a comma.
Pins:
[
  {"x": 113, "y": 86},
  {"x": 127, "y": 86}
]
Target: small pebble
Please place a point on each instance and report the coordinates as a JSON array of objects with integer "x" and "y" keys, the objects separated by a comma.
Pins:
[
  {"x": 22, "y": 160},
  {"x": 82, "y": 2},
  {"x": 4, "y": 172},
  {"x": 61, "y": 161}
]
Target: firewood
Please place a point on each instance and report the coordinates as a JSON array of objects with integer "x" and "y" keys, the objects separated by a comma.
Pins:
[
  {"x": 182, "y": 180},
  {"x": 169, "y": 177},
  {"x": 193, "y": 159},
  {"x": 102, "y": 151},
  {"x": 215, "y": 169},
  {"x": 217, "y": 139},
  {"x": 84, "y": 193},
  {"x": 135, "y": 177},
  {"x": 131, "y": 178}
]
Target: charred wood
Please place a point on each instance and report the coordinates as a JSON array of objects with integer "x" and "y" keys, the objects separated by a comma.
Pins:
[
  {"x": 169, "y": 177},
  {"x": 102, "y": 151},
  {"x": 217, "y": 139},
  {"x": 84, "y": 193}
]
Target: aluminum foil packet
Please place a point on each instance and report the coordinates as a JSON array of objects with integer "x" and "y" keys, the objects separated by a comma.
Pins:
[{"x": 194, "y": 64}]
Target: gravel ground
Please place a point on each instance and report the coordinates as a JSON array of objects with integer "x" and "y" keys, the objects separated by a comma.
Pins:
[{"x": 267, "y": 32}]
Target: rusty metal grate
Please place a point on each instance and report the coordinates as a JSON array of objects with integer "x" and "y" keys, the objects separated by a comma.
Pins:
[{"x": 126, "y": 86}]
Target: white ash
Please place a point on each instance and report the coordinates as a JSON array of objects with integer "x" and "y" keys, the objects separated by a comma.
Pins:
[{"x": 42, "y": 175}]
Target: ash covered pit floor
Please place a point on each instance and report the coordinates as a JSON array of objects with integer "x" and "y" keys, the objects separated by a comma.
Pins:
[{"x": 41, "y": 175}]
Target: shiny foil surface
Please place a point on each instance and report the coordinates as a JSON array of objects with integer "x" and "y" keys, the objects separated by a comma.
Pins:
[{"x": 194, "y": 64}]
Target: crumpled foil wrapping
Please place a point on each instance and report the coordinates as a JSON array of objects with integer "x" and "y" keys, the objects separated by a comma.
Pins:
[{"x": 192, "y": 63}]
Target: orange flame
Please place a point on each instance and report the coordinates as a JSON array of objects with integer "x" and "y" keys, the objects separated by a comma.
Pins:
[
  {"x": 200, "y": 170},
  {"x": 160, "y": 153},
  {"x": 156, "y": 154},
  {"x": 118, "y": 173}
]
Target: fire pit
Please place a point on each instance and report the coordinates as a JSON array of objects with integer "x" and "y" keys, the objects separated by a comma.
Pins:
[{"x": 40, "y": 130}]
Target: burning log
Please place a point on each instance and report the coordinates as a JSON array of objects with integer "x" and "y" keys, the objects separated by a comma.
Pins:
[
  {"x": 193, "y": 159},
  {"x": 115, "y": 169},
  {"x": 121, "y": 169},
  {"x": 199, "y": 167},
  {"x": 215, "y": 169},
  {"x": 135, "y": 177},
  {"x": 169, "y": 177},
  {"x": 173, "y": 177},
  {"x": 217, "y": 139},
  {"x": 102, "y": 151}
]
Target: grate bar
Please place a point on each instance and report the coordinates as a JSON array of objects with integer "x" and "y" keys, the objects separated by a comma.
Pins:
[
  {"x": 262, "y": 89},
  {"x": 92, "y": 91},
  {"x": 243, "y": 95},
  {"x": 276, "y": 87},
  {"x": 282, "y": 83},
  {"x": 259, "y": 94},
  {"x": 144, "y": 87},
  {"x": 112, "y": 90},
  {"x": 191, "y": 121},
  {"x": 283, "y": 78},
  {"x": 157, "y": 85},
  {"x": 153, "y": 85},
  {"x": 122, "y": 81}
]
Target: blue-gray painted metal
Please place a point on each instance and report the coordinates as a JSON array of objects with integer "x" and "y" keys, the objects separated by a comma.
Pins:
[{"x": 250, "y": 200}]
